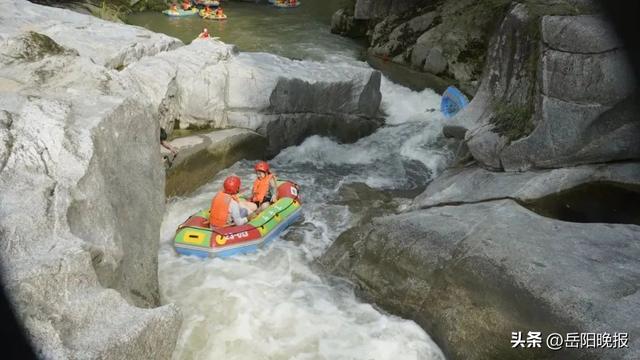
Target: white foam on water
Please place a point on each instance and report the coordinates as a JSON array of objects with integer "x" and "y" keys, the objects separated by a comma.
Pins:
[
  {"x": 271, "y": 305},
  {"x": 402, "y": 105}
]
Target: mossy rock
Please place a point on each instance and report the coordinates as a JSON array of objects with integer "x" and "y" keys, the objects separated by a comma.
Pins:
[
  {"x": 36, "y": 46},
  {"x": 512, "y": 121}
]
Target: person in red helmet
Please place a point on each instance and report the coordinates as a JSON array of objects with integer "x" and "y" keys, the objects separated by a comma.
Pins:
[
  {"x": 265, "y": 187},
  {"x": 204, "y": 34},
  {"x": 226, "y": 208}
]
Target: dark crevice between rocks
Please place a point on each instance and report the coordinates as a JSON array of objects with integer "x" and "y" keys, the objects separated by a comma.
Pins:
[
  {"x": 596, "y": 202},
  {"x": 459, "y": 203}
]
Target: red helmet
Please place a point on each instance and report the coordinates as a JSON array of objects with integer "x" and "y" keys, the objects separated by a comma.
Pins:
[
  {"x": 232, "y": 185},
  {"x": 262, "y": 166}
]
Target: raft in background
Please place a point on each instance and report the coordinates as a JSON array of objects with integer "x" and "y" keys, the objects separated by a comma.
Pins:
[
  {"x": 194, "y": 237},
  {"x": 212, "y": 16},
  {"x": 286, "y": 4},
  {"x": 180, "y": 12},
  {"x": 453, "y": 100}
]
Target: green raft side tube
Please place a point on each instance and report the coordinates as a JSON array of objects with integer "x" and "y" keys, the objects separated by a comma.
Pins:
[{"x": 273, "y": 215}]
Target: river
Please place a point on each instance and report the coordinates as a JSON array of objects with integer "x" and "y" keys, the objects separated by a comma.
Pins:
[{"x": 274, "y": 304}]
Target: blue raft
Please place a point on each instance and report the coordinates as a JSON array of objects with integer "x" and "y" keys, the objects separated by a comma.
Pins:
[{"x": 452, "y": 101}]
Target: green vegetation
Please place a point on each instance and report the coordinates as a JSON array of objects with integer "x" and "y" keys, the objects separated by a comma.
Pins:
[
  {"x": 110, "y": 10},
  {"x": 37, "y": 46},
  {"x": 515, "y": 121},
  {"x": 512, "y": 121}
]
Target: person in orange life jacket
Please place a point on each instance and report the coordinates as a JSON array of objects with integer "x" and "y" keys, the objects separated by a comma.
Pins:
[
  {"x": 227, "y": 209},
  {"x": 186, "y": 5},
  {"x": 265, "y": 187},
  {"x": 219, "y": 12},
  {"x": 207, "y": 10}
]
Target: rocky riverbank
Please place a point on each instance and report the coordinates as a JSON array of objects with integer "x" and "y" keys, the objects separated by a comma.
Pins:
[
  {"x": 82, "y": 185},
  {"x": 445, "y": 40},
  {"x": 498, "y": 243}
]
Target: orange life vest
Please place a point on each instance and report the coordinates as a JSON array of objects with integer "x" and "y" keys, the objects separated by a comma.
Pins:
[
  {"x": 219, "y": 211},
  {"x": 261, "y": 188}
]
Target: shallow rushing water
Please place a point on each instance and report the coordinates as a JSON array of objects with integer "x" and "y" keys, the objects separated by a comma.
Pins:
[{"x": 271, "y": 304}]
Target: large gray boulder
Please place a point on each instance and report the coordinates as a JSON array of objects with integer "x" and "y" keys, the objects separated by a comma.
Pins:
[
  {"x": 81, "y": 187},
  {"x": 473, "y": 274},
  {"x": 207, "y": 84},
  {"x": 589, "y": 109},
  {"x": 91, "y": 220},
  {"x": 571, "y": 102}
]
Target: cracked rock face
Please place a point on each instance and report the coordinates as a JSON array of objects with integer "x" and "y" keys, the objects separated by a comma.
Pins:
[{"x": 573, "y": 101}]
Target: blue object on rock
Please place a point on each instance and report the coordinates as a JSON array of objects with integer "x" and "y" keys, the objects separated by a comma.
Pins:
[{"x": 452, "y": 101}]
